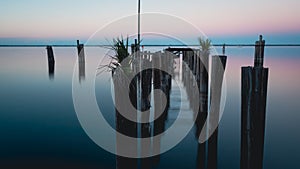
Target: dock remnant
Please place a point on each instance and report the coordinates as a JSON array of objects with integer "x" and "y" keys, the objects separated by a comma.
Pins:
[
  {"x": 81, "y": 60},
  {"x": 51, "y": 61},
  {"x": 253, "y": 109},
  {"x": 217, "y": 75},
  {"x": 259, "y": 52}
]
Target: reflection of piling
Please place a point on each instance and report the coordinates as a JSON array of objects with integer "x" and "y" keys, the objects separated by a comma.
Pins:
[
  {"x": 51, "y": 61},
  {"x": 217, "y": 72},
  {"x": 254, "y": 92},
  {"x": 81, "y": 60}
]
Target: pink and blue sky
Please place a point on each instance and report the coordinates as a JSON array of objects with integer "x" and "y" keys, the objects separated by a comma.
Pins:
[{"x": 227, "y": 21}]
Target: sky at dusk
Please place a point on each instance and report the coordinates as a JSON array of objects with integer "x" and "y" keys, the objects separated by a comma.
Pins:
[{"x": 226, "y": 21}]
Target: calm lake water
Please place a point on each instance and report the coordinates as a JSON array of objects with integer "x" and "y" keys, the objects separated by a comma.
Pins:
[{"x": 39, "y": 127}]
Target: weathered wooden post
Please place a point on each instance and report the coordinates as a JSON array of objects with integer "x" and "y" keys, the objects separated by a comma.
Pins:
[
  {"x": 146, "y": 85},
  {"x": 190, "y": 55},
  {"x": 217, "y": 73},
  {"x": 202, "y": 67},
  {"x": 254, "y": 93},
  {"x": 159, "y": 124},
  {"x": 259, "y": 52},
  {"x": 198, "y": 67},
  {"x": 81, "y": 60},
  {"x": 124, "y": 125},
  {"x": 203, "y": 80},
  {"x": 51, "y": 61},
  {"x": 194, "y": 62},
  {"x": 183, "y": 56},
  {"x": 170, "y": 62}
]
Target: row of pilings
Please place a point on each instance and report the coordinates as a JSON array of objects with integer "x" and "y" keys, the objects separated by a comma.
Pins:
[
  {"x": 81, "y": 61},
  {"x": 254, "y": 80},
  {"x": 142, "y": 80},
  {"x": 195, "y": 65}
]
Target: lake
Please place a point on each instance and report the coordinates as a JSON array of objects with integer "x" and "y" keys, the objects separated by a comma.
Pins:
[{"x": 39, "y": 126}]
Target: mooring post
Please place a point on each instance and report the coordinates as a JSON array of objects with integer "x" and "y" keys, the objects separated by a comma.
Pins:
[
  {"x": 159, "y": 124},
  {"x": 253, "y": 109},
  {"x": 145, "y": 95},
  {"x": 191, "y": 60},
  {"x": 218, "y": 67},
  {"x": 194, "y": 62},
  {"x": 259, "y": 52},
  {"x": 169, "y": 64},
  {"x": 81, "y": 60},
  {"x": 223, "y": 49},
  {"x": 51, "y": 61},
  {"x": 80, "y": 50},
  {"x": 217, "y": 74},
  {"x": 203, "y": 72},
  {"x": 124, "y": 125},
  {"x": 198, "y": 67},
  {"x": 202, "y": 81},
  {"x": 146, "y": 84}
]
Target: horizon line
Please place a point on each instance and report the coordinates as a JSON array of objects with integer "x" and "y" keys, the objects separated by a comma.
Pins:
[{"x": 160, "y": 45}]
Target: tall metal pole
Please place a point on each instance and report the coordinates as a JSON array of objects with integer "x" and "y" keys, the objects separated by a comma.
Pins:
[{"x": 139, "y": 23}]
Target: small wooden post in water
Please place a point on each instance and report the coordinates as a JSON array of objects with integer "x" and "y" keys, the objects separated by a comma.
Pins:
[
  {"x": 146, "y": 85},
  {"x": 159, "y": 124},
  {"x": 81, "y": 61},
  {"x": 217, "y": 74},
  {"x": 51, "y": 61},
  {"x": 124, "y": 125},
  {"x": 254, "y": 92}
]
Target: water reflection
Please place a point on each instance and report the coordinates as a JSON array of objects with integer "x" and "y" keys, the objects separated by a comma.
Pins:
[
  {"x": 282, "y": 95},
  {"x": 254, "y": 83}
]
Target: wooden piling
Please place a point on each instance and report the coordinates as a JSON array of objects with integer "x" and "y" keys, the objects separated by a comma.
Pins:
[
  {"x": 259, "y": 52},
  {"x": 194, "y": 62},
  {"x": 218, "y": 67},
  {"x": 203, "y": 81},
  {"x": 81, "y": 61},
  {"x": 51, "y": 61},
  {"x": 146, "y": 85},
  {"x": 217, "y": 73},
  {"x": 158, "y": 124},
  {"x": 253, "y": 109},
  {"x": 124, "y": 125}
]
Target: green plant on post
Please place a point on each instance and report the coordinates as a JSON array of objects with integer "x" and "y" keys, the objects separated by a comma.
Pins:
[
  {"x": 205, "y": 46},
  {"x": 120, "y": 49}
]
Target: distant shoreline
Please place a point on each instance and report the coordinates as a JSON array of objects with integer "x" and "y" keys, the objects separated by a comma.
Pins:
[{"x": 152, "y": 45}]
